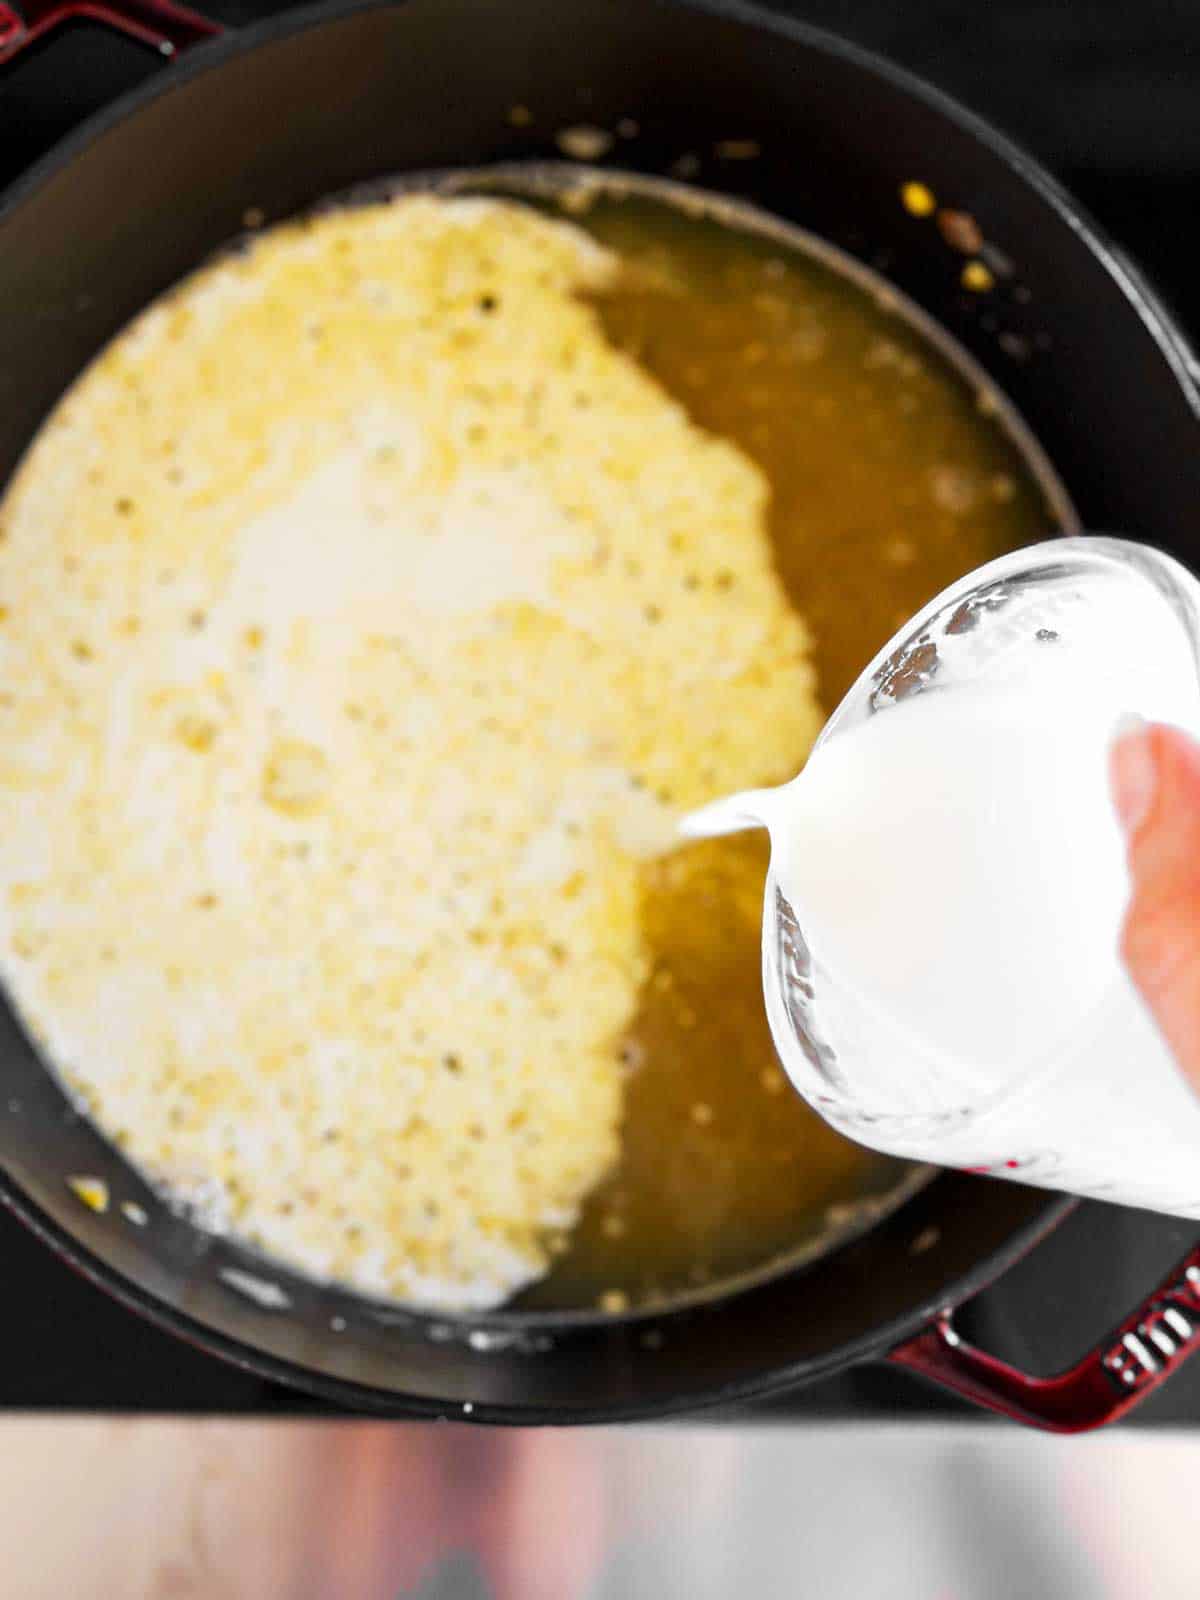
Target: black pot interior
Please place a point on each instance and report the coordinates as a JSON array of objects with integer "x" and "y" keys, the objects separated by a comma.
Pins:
[{"x": 276, "y": 121}]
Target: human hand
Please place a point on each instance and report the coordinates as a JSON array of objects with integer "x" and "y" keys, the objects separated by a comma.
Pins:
[{"x": 1155, "y": 773}]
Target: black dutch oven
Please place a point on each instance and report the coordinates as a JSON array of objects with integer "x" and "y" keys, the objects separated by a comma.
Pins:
[{"x": 284, "y": 114}]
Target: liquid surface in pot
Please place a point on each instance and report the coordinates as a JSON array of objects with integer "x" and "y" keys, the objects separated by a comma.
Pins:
[
  {"x": 892, "y": 470},
  {"x": 788, "y": 414}
]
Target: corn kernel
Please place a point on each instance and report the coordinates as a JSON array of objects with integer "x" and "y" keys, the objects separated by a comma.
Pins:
[
  {"x": 918, "y": 200},
  {"x": 92, "y": 1191},
  {"x": 977, "y": 278}
]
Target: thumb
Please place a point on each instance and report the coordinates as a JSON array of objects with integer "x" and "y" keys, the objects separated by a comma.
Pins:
[{"x": 1155, "y": 773}]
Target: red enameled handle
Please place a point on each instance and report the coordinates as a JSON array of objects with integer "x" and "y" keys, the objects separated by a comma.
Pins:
[
  {"x": 163, "y": 26},
  {"x": 1142, "y": 1353}
]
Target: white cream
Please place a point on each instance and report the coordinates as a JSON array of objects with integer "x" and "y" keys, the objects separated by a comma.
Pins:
[{"x": 332, "y": 745}]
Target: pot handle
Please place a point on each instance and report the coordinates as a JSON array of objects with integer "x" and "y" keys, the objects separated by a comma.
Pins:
[
  {"x": 1110, "y": 1380},
  {"x": 166, "y": 27}
]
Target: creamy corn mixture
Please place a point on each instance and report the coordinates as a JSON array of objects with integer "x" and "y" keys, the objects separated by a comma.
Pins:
[{"x": 366, "y": 621}]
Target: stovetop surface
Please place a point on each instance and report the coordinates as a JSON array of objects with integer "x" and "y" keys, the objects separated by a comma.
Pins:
[{"x": 1106, "y": 95}]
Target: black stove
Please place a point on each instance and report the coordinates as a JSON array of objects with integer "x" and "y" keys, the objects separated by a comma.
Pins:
[{"x": 1106, "y": 95}]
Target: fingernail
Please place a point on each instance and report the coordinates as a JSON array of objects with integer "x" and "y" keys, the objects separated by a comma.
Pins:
[{"x": 1134, "y": 771}]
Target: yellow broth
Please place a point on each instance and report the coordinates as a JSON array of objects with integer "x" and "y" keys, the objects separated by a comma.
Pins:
[{"x": 892, "y": 473}]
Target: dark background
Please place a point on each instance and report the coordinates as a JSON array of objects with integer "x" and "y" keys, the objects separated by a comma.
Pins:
[{"x": 1106, "y": 94}]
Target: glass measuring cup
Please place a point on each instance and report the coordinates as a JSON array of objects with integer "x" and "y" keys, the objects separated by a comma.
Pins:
[{"x": 1079, "y": 631}]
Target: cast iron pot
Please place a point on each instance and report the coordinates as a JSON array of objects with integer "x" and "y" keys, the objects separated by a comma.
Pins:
[{"x": 287, "y": 113}]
